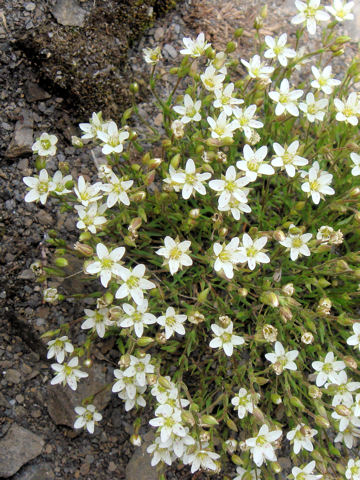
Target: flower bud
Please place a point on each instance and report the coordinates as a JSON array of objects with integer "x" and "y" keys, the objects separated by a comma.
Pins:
[
  {"x": 205, "y": 436},
  {"x": 194, "y": 213},
  {"x": 317, "y": 456},
  {"x": 196, "y": 317},
  {"x": 136, "y": 440},
  {"x": 164, "y": 382},
  {"x": 124, "y": 361},
  {"x": 177, "y": 128},
  {"x": 243, "y": 292},
  {"x": 276, "y": 398},
  {"x": 288, "y": 289},
  {"x": 270, "y": 298},
  {"x": 236, "y": 459},
  {"x": 322, "y": 421},
  {"x": 84, "y": 249},
  {"x": 238, "y": 32},
  {"x": 258, "y": 414},
  {"x": 350, "y": 362},
  {"x": 151, "y": 379},
  {"x": 224, "y": 321},
  {"x": 61, "y": 262},
  {"x": 324, "y": 306},
  {"x": 343, "y": 410},
  {"x": 223, "y": 231},
  {"x": 115, "y": 313},
  {"x": 88, "y": 363},
  {"x": 230, "y": 445},
  {"x": 144, "y": 341},
  {"x": 296, "y": 402},
  {"x": 275, "y": 467},
  {"x": 209, "y": 420},
  {"x": 279, "y": 235},
  {"x": 134, "y": 87},
  {"x": 230, "y": 47},
  {"x": 307, "y": 338},
  {"x": 232, "y": 425},
  {"x": 187, "y": 417}
]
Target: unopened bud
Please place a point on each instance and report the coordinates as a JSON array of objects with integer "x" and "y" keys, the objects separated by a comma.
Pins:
[
  {"x": 230, "y": 47},
  {"x": 236, "y": 459},
  {"x": 275, "y": 467},
  {"x": 232, "y": 425},
  {"x": 288, "y": 289},
  {"x": 187, "y": 417},
  {"x": 276, "y": 398},
  {"x": 258, "y": 414},
  {"x": 238, "y": 32},
  {"x": 270, "y": 298},
  {"x": 61, "y": 262},
  {"x": 296, "y": 402},
  {"x": 134, "y": 87},
  {"x": 243, "y": 292},
  {"x": 124, "y": 361},
  {"x": 165, "y": 383},
  {"x": 136, "y": 440},
  {"x": 223, "y": 231},
  {"x": 84, "y": 249},
  {"x": 88, "y": 363},
  {"x": 343, "y": 410},
  {"x": 138, "y": 196},
  {"x": 322, "y": 421},
  {"x": 76, "y": 142},
  {"x": 194, "y": 213},
  {"x": 144, "y": 341},
  {"x": 209, "y": 420},
  {"x": 350, "y": 362},
  {"x": 231, "y": 445},
  {"x": 279, "y": 235}
]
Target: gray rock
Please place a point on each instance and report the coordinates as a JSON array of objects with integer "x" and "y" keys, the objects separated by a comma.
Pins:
[
  {"x": 352, "y": 28},
  {"x": 27, "y": 274},
  {"x": 12, "y": 376},
  {"x": 69, "y": 13},
  {"x": 170, "y": 50},
  {"x": 3, "y": 402},
  {"x": 30, "y": 6},
  {"x": 61, "y": 401},
  {"x": 22, "y": 140},
  {"x": 43, "y": 471},
  {"x": 34, "y": 93},
  {"x": 139, "y": 466},
  {"x": 18, "y": 447}
]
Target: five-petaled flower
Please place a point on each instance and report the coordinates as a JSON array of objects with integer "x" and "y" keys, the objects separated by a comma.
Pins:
[
  {"x": 106, "y": 263},
  {"x": 175, "y": 254}
]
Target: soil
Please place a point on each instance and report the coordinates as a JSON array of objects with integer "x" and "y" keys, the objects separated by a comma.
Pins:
[{"x": 25, "y": 372}]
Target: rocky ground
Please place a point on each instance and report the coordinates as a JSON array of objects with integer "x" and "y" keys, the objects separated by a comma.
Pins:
[{"x": 36, "y": 438}]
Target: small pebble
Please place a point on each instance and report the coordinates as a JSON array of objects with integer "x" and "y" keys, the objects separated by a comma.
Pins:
[{"x": 30, "y": 6}]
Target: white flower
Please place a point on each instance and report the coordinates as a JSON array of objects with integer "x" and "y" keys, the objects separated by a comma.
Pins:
[
  {"x": 254, "y": 474},
  {"x": 212, "y": 79},
  {"x": 251, "y": 251},
  {"x": 51, "y": 295},
  {"x": 310, "y": 12},
  {"x": 261, "y": 447},
  {"x": 356, "y": 161},
  {"x": 40, "y": 187},
  {"x": 227, "y": 256},
  {"x": 246, "y": 120},
  {"x": 305, "y": 473},
  {"x": 67, "y": 373},
  {"x": 45, "y": 145},
  {"x": 301, "y": 437},
  {"x": 341, "y": 10},
  {"x": 178, "y": 129},
  {"x": 353, "y": 469},
  {"x": 230, "y": 186},
  {"x": 175, "y": 254},
  {"x": 107, "y": 263},
  {"x": 152, "y": 55},
  {"x": 314, "y": 109},
  {"x": 91, "y": 129},
  {"x": 253, "y": 163},
  {"x": 91, "y": 217},
  {"x": 113, "y": 139},
  {"x": 139, "y": 368},
  {"x": 287, "y": 157},
  {"x": 125, "y": 384},
  {"x": 244, "y": 402},
  {"x": 348, "y": 436},
  {"x": 225, "y": 100},
  {"x": 195, "y": 48},
  {"x": 354, "y": 340},
  {"x": 286, "y": 99},
  {"x": 225, "y": 338},
  {"x": 172, "y": 322},
  {"x": 328, "y": 369},
  {"x": 278, "y": 49},
  {"x": 235, "y": 206},
  {"x": 136, "y": 316},
  {"x": 169, "y": 422},
  {"x": 344, "y": 389},
  {"x": 190, "y": 111},
  {"x": 349, "y": 110},
  {"x": 221, "y": 127},
  {"x": 189, "y": 180},
  {"x": 296, "y": 242},
  {"x": 116, "y": 190},
  {"x": 134, "y": 283},
  {"x": 60, "y": 183},
  {"x": 87, "y": 417},
  {"x": 58, "y": 348},
  {"x": 318, "y": 183},
  {"x": 164, "y": 394},
  {"x": 87, "y": 193},
  {"x": 161, "y": 452},
  {"x": 350, "y": 420},
  {"x": 258, "y": 69},
  {"x": 324, "y": 233},
  {"x": 201, "y": 458},
  {"x": 323, "y": 80},
  {"x": 282, "y": 360},
  {"x": 97, "y": 319}
]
